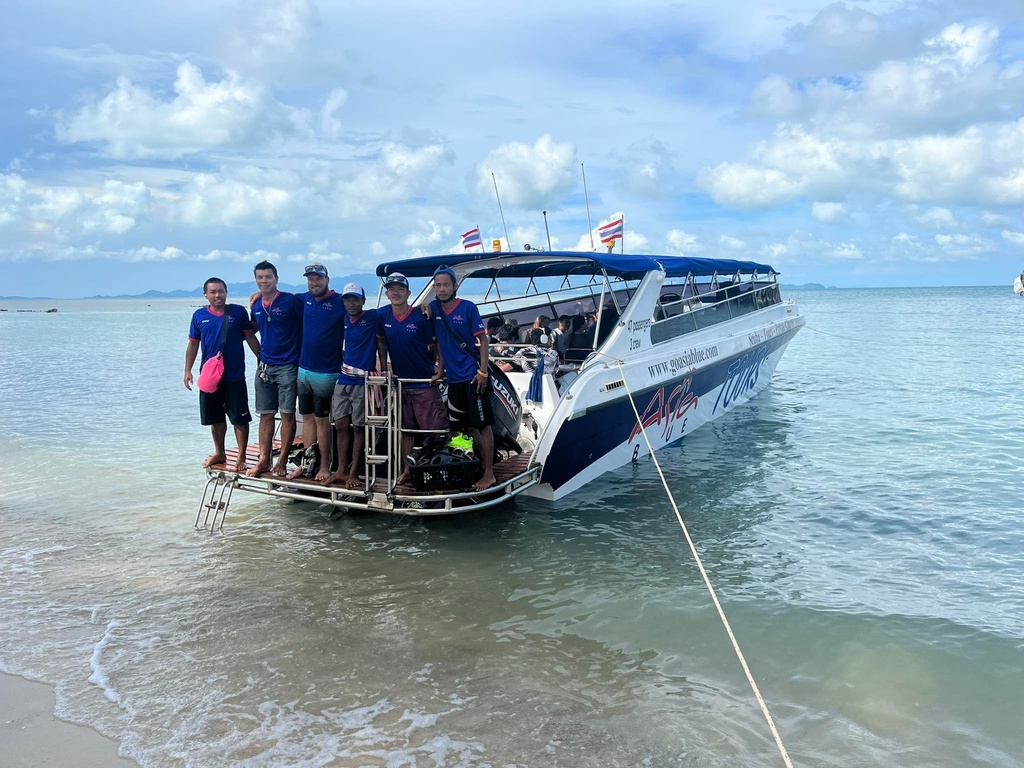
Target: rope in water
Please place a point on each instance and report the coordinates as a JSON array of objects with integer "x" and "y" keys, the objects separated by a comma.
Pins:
[{"x": 707, "y": 580}]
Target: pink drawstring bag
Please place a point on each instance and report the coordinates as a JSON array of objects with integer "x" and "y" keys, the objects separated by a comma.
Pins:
[
  {"x": 211, "y": 374},
  {"x": 213, "y": 369}
]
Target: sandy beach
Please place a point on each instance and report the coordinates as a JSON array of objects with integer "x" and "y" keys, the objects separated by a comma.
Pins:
[{"x": 33, "y": 737}]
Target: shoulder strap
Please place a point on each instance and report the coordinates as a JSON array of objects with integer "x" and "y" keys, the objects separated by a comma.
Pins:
[
  {"x": 224, "y": 327},
  {"x": 448, "y": 327}
]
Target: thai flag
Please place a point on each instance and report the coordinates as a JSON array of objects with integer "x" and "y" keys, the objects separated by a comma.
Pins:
[
  {"x": 472, "y": 239},
  {"x": 611, "y": 231}
]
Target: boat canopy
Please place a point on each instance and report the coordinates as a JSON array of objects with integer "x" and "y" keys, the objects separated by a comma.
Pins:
[{"x": 561, "y": 263}]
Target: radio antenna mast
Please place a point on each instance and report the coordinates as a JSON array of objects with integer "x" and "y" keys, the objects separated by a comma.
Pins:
[
  {"x": 508, "y": 242},
  {"x": 545, "y": 215},
  {"x": 586, "y": 198}
]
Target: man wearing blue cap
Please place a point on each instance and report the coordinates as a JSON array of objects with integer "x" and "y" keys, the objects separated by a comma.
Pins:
[{"x": 462, "y": 337}]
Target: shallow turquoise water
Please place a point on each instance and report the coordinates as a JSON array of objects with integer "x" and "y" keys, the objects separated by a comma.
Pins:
[{"x": 860, "y": 521}]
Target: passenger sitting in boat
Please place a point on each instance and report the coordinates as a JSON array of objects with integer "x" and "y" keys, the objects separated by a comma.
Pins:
[
  {"x": 348, "y": 409},
  {"x": 561, "y": 334},
  {"x": 540, "y": 323},
  {"x": 581, "y": 339},
  {"x": 493, "y": 324},
  {"x": 540, "y": 351},
  {"x": 506, "y": 336},
  {"x": 405, "y": 333}
]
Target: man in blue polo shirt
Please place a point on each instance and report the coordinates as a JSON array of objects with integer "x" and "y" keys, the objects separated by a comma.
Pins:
[
  {"x": 277, "y": 315},
  {"x": 407, "y": 335},
  {"x": 231, "y": 400},
  {"x": 323, "y": 330},
  {"x": 348, "y": 407},
  {"x": 462, "y": 337}
]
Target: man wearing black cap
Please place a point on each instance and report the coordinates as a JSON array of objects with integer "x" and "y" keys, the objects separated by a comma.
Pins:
[
  {"x": 407, "y": 335},
  {"x": 323, "y": 323}
]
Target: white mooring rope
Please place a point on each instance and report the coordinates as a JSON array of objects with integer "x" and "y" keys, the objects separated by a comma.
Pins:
[{"x": 707, "y": 581}]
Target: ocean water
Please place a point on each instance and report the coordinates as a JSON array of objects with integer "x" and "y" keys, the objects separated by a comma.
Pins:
[{"x": 861, "y": 521}]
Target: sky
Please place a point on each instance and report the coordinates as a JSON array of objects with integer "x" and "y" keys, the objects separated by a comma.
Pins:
[{"x": 152, "y": 145}]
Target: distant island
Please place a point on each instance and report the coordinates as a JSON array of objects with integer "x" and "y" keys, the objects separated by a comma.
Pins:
[{"x": 808, "y": 287}]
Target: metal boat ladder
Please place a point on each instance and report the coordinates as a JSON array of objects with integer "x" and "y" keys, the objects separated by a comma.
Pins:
[
  {"x": 215, "y": 501},
  {"x": 381, "y": 441}
]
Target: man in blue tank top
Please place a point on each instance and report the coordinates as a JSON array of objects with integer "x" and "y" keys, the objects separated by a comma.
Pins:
[
  {"x": 323, "y": 330},
  {"x": 277, "y": 316},
  {"x": 407, "y": 335},
  {"x": 462, "y": 337},
  {"x": 348, "y": 409},
  {"x": 231, "y": 400}
]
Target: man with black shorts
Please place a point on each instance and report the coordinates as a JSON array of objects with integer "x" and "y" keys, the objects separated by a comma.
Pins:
[
  {"x": 231, "y": 400},
  {"x": 462, "y": 338},
  {"x": 323, "y": 330},
  {"x": 407, "y": 335},
  {"x": 277, "y": 315},
  {"x": 348, "y": 406}
]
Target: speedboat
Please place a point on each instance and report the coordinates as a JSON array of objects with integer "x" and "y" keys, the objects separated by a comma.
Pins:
[
  {"x": 1018, "y": 284},
  {"x": 665, "y": 345}
]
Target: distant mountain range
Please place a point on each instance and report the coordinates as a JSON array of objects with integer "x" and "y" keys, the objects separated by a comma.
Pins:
[{"x": 368, "y": 281}]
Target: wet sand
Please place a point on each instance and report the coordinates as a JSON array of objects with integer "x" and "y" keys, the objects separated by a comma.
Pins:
[{"x": 32, "y": 737}]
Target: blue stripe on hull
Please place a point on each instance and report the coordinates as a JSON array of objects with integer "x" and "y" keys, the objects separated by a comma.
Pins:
[{"x": 584, "y": 441}]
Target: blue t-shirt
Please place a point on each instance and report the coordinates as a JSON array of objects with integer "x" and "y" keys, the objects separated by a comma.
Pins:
[
  {"x": 323, "y": 330},
  {"x": 360, "y": 345},
  {"x": 280, "y": 327},
  {"x": 460, "y": 364},
  {"x": 206, "y": 327},
  {"x": 410, "y": 341}
]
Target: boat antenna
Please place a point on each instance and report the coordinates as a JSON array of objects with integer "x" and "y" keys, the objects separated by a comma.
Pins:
[
  {"x": 496, "y": 197},
  {"x": 545, "y": 215},
  {"x": 586, "y": 199}
]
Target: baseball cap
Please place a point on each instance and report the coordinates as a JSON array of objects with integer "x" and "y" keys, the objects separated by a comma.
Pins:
[
  {"x": 315, "y": 269},
  {"x": 444, "y": 269},
  {"x": 353, "y": 289},
  {"x": 396, "y": 278}
]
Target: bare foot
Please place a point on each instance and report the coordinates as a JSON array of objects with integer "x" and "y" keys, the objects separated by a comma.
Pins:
[
  {"x": 214, "y": 458},
  {"x": 484, "y": 482},
  {"x": 403, "y": 478},
  {"x": 337, "y": 477},
  {"x": 295, "y": 474},
  {"x": 353, "y": 482},
  {"x": 261, "y": 467},
  {"x": 280, "y": 469},
  {"x": 240, "y": 465}
]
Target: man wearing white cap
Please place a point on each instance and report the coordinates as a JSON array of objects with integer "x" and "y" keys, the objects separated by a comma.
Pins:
[
  {"x": 348, "y": 406},
  {"x": 407, "y": 335}
]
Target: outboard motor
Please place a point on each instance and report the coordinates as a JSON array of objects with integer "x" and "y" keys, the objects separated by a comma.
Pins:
[{"x": 507, "y": 409}]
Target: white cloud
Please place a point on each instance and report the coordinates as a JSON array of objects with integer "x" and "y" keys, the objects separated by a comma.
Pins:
[
  {"x": 938, "y": 217},
  {"x": 377, "y": 248},
  {"x": 1016, "y": 238},
  {"x": 684, "y": 242},
  {"x": 209, "y": 200},
  {"x": 745, "y": 186},
  {"x": 965, "y": 246},
  {"x": 429, "y": 235},
  {"x": 154, "y": 254},
  {"x": 12, "y": 189},
  {"x": 731, "y": 243},
  {"x": 848, "y": 251},
  {"x": 828, "y": 212},
  {"x": 401, "y": 172},
  {"x": 330, "y": 126},
  {"x": 529, "y": 176},
  {"x": 132, "y": 122}
]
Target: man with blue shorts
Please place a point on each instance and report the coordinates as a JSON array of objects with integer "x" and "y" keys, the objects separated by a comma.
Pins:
[
  {"x": 348, "y": 406},
  {"x": 323, "y": 329},
  {"x": 231, "y": 400},
  {"x": 462, "y": 337},
  {"x": 277, "y": 315},
  {"x": 407, "y": 335}
]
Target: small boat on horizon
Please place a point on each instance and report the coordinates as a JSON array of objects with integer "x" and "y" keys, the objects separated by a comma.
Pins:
[
  {"x": 675, "y": 343},
  {"x": 1018, "y": 284}
]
